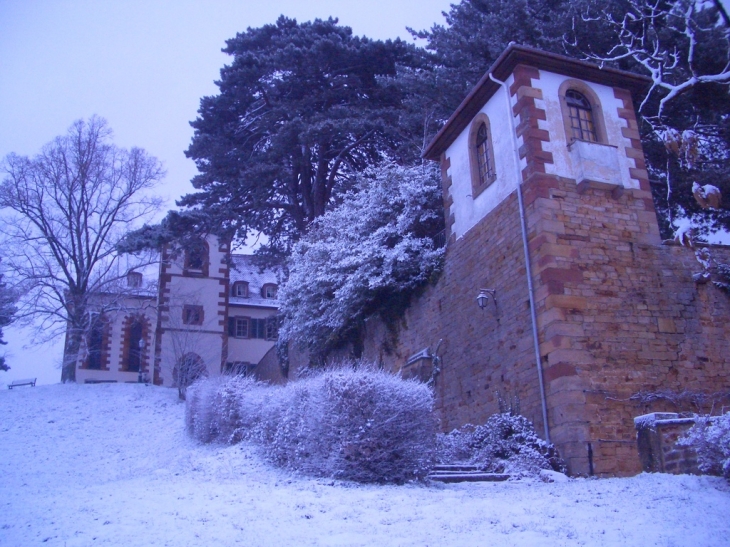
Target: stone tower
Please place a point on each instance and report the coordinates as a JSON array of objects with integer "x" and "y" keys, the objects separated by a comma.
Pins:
[{"x": 548, "y": 204}]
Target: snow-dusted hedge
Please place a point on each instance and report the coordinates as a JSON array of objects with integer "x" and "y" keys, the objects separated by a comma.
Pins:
[
  {"x": 215, "y": 408},
  {"x": 710, "y": 436},
  {"x": 361, "y": 425},
  {"x": 365, "y": 256},
  {"x": 506, "y": 443}
]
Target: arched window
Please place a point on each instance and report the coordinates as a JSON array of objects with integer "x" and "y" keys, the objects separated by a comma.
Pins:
[
  {"x": 481, "y": 155},
  {"x": 482, "y": 146},
  {"x": 96, "y": 344},
  {"x": 582, "y": 123},
  {"x": 135, "y": 346},
  {"x": 196, "y": 258}
]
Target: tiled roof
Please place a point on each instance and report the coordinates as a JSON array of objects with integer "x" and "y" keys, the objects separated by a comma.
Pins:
[{"x": 244, "y": 268}]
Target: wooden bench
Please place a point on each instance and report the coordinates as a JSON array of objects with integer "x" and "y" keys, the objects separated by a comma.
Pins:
[
  {"x": 94, "y": 381},
  {"x": 18, "y": 383}
]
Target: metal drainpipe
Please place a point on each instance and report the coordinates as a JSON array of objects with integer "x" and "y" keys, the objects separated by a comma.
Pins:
[{"x": 528, "y": 269}]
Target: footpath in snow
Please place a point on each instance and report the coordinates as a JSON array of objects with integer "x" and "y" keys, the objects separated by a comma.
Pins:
[{"x": 111, "y": 465}]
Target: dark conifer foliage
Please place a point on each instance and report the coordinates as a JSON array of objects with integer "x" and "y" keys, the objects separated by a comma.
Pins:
[{"x": 301, "y": 108}]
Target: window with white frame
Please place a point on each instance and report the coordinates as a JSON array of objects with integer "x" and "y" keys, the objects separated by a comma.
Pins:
[
  {"x": 269, "y": 291},
  {"x": 240, "y": 289}
]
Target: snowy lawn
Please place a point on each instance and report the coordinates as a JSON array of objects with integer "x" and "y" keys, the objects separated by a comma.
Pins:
[{"x": 111, "y": 464}]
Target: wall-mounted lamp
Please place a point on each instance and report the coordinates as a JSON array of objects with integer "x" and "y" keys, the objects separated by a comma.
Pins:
[
  {"x": 140, "y": 376},
  {"x": 483, "y": 297}
]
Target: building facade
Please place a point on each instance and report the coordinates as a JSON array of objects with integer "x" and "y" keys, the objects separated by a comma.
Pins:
[{"x": 206, "y": 312}]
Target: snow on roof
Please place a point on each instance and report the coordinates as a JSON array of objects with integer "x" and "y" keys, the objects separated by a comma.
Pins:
[{"x": 244, "y": 268}]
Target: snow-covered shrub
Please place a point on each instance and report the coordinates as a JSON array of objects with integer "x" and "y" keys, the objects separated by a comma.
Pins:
[
  {"x": 506, "y": 443},
  {"x": 365, "y": 256},
  {"x": 710, "y": 436},
  {"x": 353, "y": 424},
  {"x": 225, "y": 409},
  {"x": 201, "y": 413},
  {"x": 361, "y": 425},
  {"x": 236, "y": 408}
]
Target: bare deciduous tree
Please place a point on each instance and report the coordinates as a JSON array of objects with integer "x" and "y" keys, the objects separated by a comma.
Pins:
[
  {"x": 64, "y": 212},
  {"x": 667, "y": 39},
  {"x": 684, "y": 48}
]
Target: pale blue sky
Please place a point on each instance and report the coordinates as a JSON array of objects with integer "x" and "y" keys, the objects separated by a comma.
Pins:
[{"x": 143, "y": 65}]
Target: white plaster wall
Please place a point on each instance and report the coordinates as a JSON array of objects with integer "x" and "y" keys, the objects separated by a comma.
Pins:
[
  {"x": 174, "y": 344},
  {"x": 562, "y": 164},
  {"x": 195, "y": 291},
  {"x": 205, "y": 340},
  {"x": 130, "y": 306},
  {"x": 467, "y": 210},
  {"x": 250, "y": 350},
  {"x": 215, "y": 257}
]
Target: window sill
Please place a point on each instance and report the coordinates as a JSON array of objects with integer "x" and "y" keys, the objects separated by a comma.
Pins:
[
  {"x": 477, "y": 190},
  {"x": 595, "y": 165}
]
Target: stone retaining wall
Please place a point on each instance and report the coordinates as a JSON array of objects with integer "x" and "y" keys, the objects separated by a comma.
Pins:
[{"x": 619, "y": 315}]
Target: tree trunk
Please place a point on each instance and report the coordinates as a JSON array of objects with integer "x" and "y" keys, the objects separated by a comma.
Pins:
[
  {"x": 77, "y": 327},
  {"x": 71, "y": 354}
]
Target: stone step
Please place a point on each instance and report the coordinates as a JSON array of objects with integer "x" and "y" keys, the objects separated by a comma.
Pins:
[
  {"x": 456, "y": 468},
  {"x": 468, "y": 477}
]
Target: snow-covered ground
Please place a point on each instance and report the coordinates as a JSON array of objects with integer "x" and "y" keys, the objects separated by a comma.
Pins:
[{"x": 84, "y": 465}]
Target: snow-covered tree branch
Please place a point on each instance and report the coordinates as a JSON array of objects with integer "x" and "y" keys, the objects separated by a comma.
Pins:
[
  {"x": 668, "y": 40},
  {"x": 364, "y": 257},
  {"x": 684, "y": 48}
]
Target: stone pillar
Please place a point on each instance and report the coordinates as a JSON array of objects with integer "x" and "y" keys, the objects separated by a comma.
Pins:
[{"x": 657, "y": 435}]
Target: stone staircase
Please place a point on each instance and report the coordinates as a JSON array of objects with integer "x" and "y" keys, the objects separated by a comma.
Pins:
[{"x": 464, "y": 473}]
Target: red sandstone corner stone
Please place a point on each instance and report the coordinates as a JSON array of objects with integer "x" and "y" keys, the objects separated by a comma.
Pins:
[
  {"x": 558, "y": 371},
  {"x": 563, "y": 275}
]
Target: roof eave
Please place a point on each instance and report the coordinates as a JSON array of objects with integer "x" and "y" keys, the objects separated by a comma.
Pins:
[{"x": 504, "y": 66}]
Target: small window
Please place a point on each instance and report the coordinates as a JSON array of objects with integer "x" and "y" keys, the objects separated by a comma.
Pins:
[
  {"x": 272, "y": 328},
  {"x": 265, "y": 329},
  {"x": 269, "y": 291},
  {"x": 193, "y": 315},
  {"x": 483, "y": 159},
  {"x": 481, "y": 155},
  {"x": 582, "y": 123},
  {"x": 238, "y": 327},
  {"x": 134, "y": 280},
  {"x": 240, "y": 289}
]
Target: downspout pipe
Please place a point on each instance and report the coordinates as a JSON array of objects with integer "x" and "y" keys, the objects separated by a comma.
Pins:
[{"x": 528, "y": 269}]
